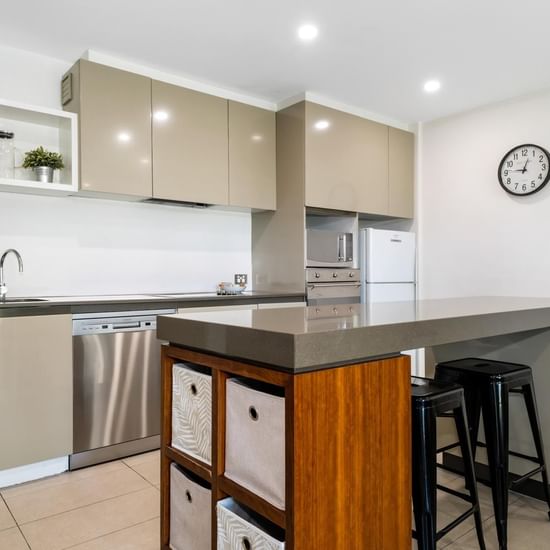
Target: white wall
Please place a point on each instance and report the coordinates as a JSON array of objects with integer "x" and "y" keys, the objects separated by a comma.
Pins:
[
  {"x": 86, "y": 246},
  {"x": 476, "y": 239}
]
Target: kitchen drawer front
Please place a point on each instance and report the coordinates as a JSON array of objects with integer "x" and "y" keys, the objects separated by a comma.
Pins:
[
  {"x": 192, "y": 412},
  {"x": 255, "y": 441},
  {"x": 190, "y": 513},
  {"x": 237, "y": 530}
]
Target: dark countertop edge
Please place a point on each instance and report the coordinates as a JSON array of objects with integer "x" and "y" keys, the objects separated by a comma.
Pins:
[
  {"x": 7, "y": 312},
  {"x": 297, "y": 353},
  {"x": 51, "y": 307}
]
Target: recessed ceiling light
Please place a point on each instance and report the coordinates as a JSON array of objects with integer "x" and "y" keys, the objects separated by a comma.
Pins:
[
  {"x": 321, "y": 125},
  {"x": 124, "y": 137},
  {"x": 160, "y": 116},
  {"x": 308, "y": 32},
  {"x": 257, "y": 137},
  {"x": 432, "y": 86}
]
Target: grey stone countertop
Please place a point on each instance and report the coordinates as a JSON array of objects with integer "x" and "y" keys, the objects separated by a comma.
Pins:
[
  {"x": 316, "y": 337},
  {"x": 124, "y": 302}
]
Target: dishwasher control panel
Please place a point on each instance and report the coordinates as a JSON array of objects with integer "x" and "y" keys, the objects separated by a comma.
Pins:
[{"x": 105, "y": 323}]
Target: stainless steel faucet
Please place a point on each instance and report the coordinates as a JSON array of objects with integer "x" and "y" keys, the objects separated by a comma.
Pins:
[{"x": 3, "y": 287}]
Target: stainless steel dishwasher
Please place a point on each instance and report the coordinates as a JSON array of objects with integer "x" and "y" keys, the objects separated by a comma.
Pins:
[{"x": 116, "y": 385}]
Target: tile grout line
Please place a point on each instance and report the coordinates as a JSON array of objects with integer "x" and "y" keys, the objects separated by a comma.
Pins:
[
  {"x": 2, "y": 499},
  {"x": 81, "y": 507},
  {"x": 143, "y": 477},
  {"x": 111, "y": 533}
]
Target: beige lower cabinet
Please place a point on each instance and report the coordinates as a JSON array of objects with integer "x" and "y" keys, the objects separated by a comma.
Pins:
[
  {"x": 240, "y": 307},
  {"x": 401, "y": 173},
  {"x": 36, "y": 389},
  {"x": 190, "y": 144},
  {"x": 252, "y": 172},
  {"x": 279, "y": 305}
]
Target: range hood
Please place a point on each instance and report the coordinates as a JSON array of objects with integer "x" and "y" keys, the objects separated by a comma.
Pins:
[{"x": 178, "y": 203}]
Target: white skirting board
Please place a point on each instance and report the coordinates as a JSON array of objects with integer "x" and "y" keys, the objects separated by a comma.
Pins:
[{"x": 31, "y": 472}]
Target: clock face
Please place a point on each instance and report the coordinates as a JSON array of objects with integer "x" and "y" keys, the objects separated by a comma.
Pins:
[{"x": 524, "y": 170}]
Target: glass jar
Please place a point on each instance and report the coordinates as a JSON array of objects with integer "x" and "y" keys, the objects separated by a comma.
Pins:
[{"x": 7, "y": 155}]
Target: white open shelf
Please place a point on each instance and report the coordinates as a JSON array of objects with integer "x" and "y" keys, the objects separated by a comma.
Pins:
[{"x": 55, "y": 130}]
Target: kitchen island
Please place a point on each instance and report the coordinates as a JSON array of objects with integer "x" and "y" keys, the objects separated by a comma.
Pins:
[{"x": 347, "y": 402}]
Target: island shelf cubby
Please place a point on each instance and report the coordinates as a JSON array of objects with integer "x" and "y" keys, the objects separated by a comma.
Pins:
[{"x": 345, "y": 448}]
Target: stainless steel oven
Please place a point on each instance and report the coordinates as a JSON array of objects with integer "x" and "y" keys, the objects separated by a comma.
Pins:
[
  {"x": 329, "y": 248},
  {"x": 116, "y": 385},
  {"x": 333, "y": 286}
]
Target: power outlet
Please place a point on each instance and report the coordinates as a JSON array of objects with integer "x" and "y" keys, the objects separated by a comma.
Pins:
[{"x": 241, "y": 279}]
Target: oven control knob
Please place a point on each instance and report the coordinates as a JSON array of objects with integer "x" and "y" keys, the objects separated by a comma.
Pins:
[
  {"x": 351, "y": 274},
  {"x": 317, "y": 275},
  {"x": 335, "y": 275}
]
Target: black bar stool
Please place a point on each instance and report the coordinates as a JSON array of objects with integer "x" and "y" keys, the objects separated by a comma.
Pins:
[
  {"x": 430, "y": 400},
  {"x": 487, "y": 385}
]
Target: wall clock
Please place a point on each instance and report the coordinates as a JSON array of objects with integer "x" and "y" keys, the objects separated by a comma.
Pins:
[{"x": 524, "y": 170}]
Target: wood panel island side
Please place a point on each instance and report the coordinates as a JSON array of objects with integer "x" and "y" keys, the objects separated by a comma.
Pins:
[{"x": 344, "y": 473}]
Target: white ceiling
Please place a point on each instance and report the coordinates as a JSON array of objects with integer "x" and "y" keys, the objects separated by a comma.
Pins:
[{"x": 370, "y": 55}]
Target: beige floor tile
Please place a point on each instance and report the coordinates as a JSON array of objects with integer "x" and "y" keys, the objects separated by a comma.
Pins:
[
  {"x": 528, "y": 529},
  {"x": 144, "y": 457},
  {"x": 97, "y": 520},
  {"x": 12, "y": 539},
  {"x": 66, "y": 477},
  {"x": 6, "y": 520},
  {"x": 79, "y": 491},
  {"x": 144, "y": 536},
  {"x": 150, "y": 469}
]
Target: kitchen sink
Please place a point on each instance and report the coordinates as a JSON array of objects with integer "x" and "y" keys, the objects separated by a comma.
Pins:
[{"x": 20, "y": 300}]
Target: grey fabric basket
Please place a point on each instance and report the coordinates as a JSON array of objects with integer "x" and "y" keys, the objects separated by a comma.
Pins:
[
  {"x": 255, "y": 441},
  {"x": 237, "y": 530},
  {"x": 192, "y": 412},
  {"x": 190, "y": 513}
]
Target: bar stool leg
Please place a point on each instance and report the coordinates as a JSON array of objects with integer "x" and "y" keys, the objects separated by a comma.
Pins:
[
  {"x": 495, "y": 406},
  {"x": 425, "y": 477},
  {"x": 473, "y": 408},
  {"x": 531, "y": 404},
  {"x": 469, "y": 472}
]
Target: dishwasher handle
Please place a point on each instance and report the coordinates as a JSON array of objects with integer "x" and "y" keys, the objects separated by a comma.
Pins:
[{"x": 126, "y": 325}]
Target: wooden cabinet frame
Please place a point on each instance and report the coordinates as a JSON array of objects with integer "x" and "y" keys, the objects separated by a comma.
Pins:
[{"x": 348, "y": 473}]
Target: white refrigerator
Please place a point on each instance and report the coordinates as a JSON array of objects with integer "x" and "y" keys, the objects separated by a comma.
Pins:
[
  {"x": 388, "y": 274},
  {"x": 388, "y": 265}
]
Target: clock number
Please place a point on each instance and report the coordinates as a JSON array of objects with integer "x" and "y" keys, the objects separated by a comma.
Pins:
[
  {"x": 524, "y": 152},
  {"x": 508, "y": 181},
  {"x": 516, "y": 186},
  {"x": 505, "y": 172},
  {"x": 524, "y": 187},
  {"x": 541, "y": 158},
  {"x": 510, "y": 163},
  {"x": 533, "y": 184},
  {"x": 516, "y": 156},
  {"x": 543, "y": 166}
]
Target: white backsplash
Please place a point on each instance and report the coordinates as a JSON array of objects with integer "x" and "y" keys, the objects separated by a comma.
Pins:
[{"x": 73, "y": 245}]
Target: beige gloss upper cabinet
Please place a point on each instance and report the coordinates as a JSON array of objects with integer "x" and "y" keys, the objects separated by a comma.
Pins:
[
  {"x": 252, "y": 172},
  {"x": 346, "y": 161},
  {"x": 114, "y": 110},
  {"x": 401, "y": 173},
  {"x": 190, "y": 145},
  {"x": 36, "y": 389}
]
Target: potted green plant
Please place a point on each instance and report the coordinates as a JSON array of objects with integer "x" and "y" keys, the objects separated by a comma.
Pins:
[{"x": 43, "y": 163}]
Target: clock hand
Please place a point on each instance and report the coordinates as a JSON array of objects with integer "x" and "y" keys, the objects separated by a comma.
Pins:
[{"x": 525, "y": 167}]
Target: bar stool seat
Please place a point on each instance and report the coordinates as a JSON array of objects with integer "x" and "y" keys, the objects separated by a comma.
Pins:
[
  {"x": 430, "y": 400},
  {"x": 487, "y": 386}
]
